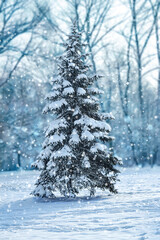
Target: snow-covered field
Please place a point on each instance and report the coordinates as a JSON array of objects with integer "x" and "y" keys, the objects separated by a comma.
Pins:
[{"x": 132, "y": 214}]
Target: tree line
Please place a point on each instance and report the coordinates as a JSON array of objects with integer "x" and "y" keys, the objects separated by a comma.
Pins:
[{"x": 122, "y": 38}]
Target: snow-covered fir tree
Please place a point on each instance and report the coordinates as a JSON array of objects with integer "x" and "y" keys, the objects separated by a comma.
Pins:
[{"x": 75, "y": 155}]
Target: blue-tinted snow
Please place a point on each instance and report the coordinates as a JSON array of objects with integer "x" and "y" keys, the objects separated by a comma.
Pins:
[{"x": 132, "y": 214}]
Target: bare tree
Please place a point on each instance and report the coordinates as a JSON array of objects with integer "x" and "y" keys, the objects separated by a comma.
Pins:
[
  {"x": 17, "y": 18},
  {"x": 124, "y": 99},
  {"x": 140, "y": 47},
  {"x": 155, "y": 14},
  {"x": 137, "y": 43}
]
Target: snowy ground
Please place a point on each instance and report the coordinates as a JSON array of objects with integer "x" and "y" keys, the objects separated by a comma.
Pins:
[{"x": 132, "y": 214}]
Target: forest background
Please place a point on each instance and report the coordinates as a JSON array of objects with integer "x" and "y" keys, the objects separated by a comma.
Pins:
[{"x": 122, "y": 38}]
